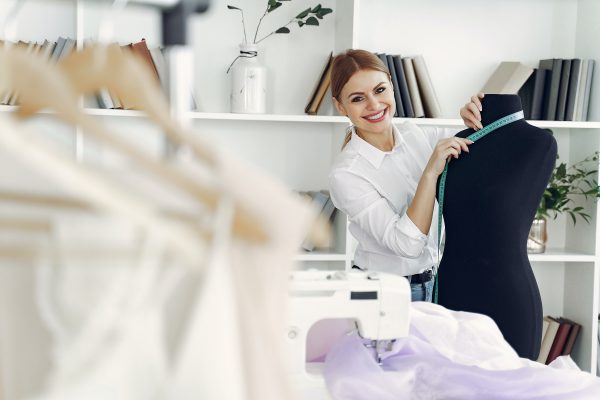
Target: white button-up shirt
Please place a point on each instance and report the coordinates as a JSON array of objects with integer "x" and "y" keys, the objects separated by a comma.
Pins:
[{"x": 374, "y": 189}]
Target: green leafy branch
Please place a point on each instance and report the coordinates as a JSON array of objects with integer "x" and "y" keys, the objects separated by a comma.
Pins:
[
  {"x": 565, "y": 183},
  {"x": 310, "y": 16}
]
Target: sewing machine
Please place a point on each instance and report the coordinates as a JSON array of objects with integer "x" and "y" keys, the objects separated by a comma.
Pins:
[{"x": 377, "y": 303}]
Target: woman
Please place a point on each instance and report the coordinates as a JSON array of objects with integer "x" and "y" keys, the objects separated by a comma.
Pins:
[{"x": 385, "y": 178}]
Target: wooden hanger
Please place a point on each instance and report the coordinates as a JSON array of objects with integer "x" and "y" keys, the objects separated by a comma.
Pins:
[
  {"x": 126, "y": 75},
  {"x": 97, "y": 189}
]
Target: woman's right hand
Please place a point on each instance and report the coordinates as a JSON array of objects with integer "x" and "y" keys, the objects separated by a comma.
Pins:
[{"x": 444, "y": 149}]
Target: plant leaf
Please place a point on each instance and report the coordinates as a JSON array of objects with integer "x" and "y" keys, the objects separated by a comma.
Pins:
[
  {"x": 324, "y": 11},
  {"x": 303, "y": 13},
  {"x": 300, "y": 24},
  {"x": 271, "y": 3},
  {"x": 312, "y": 21},
  {"x": 283, "y": 29},
  {"x": 233, "y": 8},
  {"x": 316, "y": 9},
  {"x": 274, "y": 7}
]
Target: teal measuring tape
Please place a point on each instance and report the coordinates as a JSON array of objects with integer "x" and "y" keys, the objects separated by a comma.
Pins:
[{"x": 474, "y": 137}]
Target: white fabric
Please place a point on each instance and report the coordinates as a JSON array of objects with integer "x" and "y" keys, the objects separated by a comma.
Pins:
[
  {"x": 375, "y": 188},
  {"x": 109, "y": 325},
  {"x": 259, "y": 288},
  {"x": 450, "y": 355}
]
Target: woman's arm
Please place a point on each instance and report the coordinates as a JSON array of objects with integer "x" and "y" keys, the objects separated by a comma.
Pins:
[{"x": 420, "y": 210}]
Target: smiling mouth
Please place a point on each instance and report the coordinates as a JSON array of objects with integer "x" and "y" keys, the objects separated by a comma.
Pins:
[{"x": 376, "y": 117}]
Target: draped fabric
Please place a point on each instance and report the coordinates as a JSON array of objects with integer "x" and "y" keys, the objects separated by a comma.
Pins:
[{"x": 450, "y": 355}]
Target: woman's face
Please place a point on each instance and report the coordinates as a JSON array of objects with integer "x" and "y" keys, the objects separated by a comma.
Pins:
[{"x": 368, "y": 100}]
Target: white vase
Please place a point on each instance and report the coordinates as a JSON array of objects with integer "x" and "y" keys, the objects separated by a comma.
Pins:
[{"x": 248, "y": 79}]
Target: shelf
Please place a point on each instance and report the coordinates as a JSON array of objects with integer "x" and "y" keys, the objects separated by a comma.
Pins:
[
  {"x": 560, "y": 255},
  {"x": 114, "y": 113},
  {"x": 270, "y": 117},
  {"x": 324, "y": 119},
  {"x": 320, "y": 256}
]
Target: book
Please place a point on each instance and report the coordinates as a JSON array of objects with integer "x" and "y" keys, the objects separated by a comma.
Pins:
[
  {"x": 320, "y": 88},
  {"x": 430, "y": 101},
  {"x": 545, "y": 324},
  {"x": 141, "y": 50},
  {"x": 563, "y": 90},
  {"x": 578, "y": 113},
  {"x": 319, "y": 200},
  {"x": 574, "y": 79},
  {"x": 383, "y": 58},
  {"x": 29, "y": 48},
  {"x": 60, "y": 42},
  {"x": 554, "y": 66},
  {"x": 413, "y": 87},
  {"x": 573, "y": 333},
  {"x": 526, "y": 94},
  {"x": 559, "y": 340},
  {"x": 586, "y": 93},
  {"x": 508, "y": 78},
  {"x": 160, "y": 63},
  {"x": 394, "y": 78},
  {"x": 404, "y": 93},
  {"x": 537, "y": 100},
  {"x": 548, "y": 339},
  {"x": 67, "y": 48},
  {"x": 47, "y": 49}
]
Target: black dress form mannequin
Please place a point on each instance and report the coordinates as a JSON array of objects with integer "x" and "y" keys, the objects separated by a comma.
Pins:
[{"x": 490, "y": 200}]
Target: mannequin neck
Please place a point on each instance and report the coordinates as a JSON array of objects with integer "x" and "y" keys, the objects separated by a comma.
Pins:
[{"x": 496, "y": 106}]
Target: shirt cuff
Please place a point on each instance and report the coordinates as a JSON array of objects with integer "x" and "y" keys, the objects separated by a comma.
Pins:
[{"x": 410, "y": 229}]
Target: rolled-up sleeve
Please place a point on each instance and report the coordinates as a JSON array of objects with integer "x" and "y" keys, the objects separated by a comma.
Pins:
[{"x": 367, "y": 208}]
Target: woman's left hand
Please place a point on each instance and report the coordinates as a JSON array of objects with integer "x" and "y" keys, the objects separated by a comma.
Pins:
[{"x": 470, "y": 113}]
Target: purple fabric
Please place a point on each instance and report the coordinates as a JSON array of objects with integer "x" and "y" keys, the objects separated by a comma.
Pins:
[{"x": 419, "y": 368}]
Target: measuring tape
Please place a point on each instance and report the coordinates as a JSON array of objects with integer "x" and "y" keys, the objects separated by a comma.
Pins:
[{"x": 474, "y": 137}]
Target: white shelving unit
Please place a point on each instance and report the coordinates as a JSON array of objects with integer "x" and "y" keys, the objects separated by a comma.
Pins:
[{"x": 462, "y": 42}]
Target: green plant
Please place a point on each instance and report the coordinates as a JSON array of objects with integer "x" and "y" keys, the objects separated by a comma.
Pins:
[
  {"x": 310, "y": 16},
  {"x": 567, "y": 182}
]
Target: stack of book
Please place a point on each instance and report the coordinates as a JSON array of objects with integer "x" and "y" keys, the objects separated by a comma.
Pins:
[
  {"x": 413, "y": 90},
  {"x": 321, "y": 201},
  {"x": 156, "y": 61},
  {"x": 56, "y": 51},
  {"x": 320, "y": 89},
  {"x": 558, "y": 338},
  {"x": 53, "y": 51},
  {"x": 559, "y": 90}
]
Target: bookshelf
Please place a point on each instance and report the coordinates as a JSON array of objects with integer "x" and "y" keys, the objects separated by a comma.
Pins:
[{"x": 462, "y": 42}]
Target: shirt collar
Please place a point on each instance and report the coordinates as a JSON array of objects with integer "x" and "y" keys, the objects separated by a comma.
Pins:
[{"x": 370, "y": 152}]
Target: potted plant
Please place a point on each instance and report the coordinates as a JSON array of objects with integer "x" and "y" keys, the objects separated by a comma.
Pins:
[
  {"x": 248, "y": 77},
  {"x": 565, "y": 184}
]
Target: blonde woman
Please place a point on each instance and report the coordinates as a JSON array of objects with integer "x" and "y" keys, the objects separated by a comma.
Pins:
[{"x": 385, "y": 177}]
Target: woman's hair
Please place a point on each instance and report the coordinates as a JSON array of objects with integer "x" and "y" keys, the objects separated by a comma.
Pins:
[{"x": 345, "y": 65}]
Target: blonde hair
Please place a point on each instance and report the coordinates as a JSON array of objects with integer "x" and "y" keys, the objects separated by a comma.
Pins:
[{"x": 345, "y": 65}]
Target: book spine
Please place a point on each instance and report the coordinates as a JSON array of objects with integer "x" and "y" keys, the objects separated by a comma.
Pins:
[
  {"x": 581, "y": 90},
  {"x": 404, "y": 93},
  {"x": 526, "y": 94},
  {"x": 430, "y": 101},
  {"x": 571, "y": 339},
  {"x": 392, "y": 68},
  {"x": 537, "y": 100},
  {"x": 574, "y": 79},
  {"x": 563, "y": 90},
  {"x": 559, "y": 341},
  {"x": 551, "y": 99},
  {"x": 588, "y": 88},
  {"x": 548, "y": 340},
  {"x": 413, "y": 87}
]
